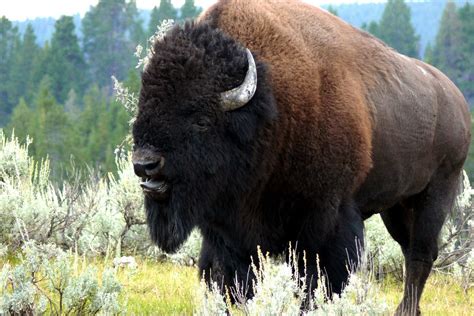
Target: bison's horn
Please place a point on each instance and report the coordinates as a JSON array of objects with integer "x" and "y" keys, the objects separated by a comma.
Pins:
[{"x": 238, "y": 97}]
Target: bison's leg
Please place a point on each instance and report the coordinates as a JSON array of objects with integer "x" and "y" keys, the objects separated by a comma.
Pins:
[
  {"x": 398, "y": 220},
  {"x": 221, "y": 264},
  {"x": 340, "y": 253},
  {"x": 430, "y": 209}
]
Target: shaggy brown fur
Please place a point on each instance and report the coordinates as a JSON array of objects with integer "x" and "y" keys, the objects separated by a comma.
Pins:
[
  {"x": 351, "y": 101},
  {"x": 313, "y": 85}
]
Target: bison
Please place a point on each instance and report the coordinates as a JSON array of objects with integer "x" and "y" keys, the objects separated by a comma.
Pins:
[{"x": 266, "y": 123}]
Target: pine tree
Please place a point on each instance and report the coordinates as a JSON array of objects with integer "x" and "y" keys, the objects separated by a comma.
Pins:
[
  {"x": 64, "y": 62},
  {"x": 40, "y": 66},
  {"x": 332, "y": 10},
  {"x": 189, "y": 10},
  {"x": 163, "y": 12},
  {"x": 47, "y": 124},
  {"x": 466, "y": 16},
  {"x": 107, "y": 39},
  {"x": 71, "y": 106},
  {"x": 94, "y": 102},
  {"x": 21, "y": 74},
  {"x": 395, "y": 28},
  {"x": 135, "y": 22},
  {"x": 447, "y": 53},
  {"x": 98, "y": 125},
  {"x": 372, "y": 28},
  {"x": 9, "y": 43},
  {"x": 21, "y": 120},
  {"x": 49, "y": 128},
  {"x": 429, "y": 54}
]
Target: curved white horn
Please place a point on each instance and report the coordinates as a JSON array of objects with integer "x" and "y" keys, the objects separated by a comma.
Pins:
[{"x": 241, "y": 95}]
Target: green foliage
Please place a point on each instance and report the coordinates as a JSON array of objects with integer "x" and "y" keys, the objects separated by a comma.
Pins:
[
  {"x": 108, "y": 33},
  {"x": 189, "y": 10},
  {"x": 395, "y": 28},
  {"x": 135, "y": 22},
  {"x": 454, "y": 49},
  {"x": 102, "y": 125},
  {"x": 87, "y": 134},
  {"x": 165, "y": 11},
  {"x": 21, "y": 77},
  {"x": 429, "y": 54},
  {"x": 332, "y": 9},
  {"x": 91, "y": 215},
  {"x": 447, "y": 53},
  {"x": 50, "y": 280},
  {"x": 64, "y": 62},
  {"x": 466, "y": 15},
  {"x": 9, "y": 44},
  {"x": 48, "y": 126},
  {"x": 372, "y": 28}
]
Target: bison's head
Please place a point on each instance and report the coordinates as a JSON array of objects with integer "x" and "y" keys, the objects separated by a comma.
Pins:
[{"x": 203, "y": 131}]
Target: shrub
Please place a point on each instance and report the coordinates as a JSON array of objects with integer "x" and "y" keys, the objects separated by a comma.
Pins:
[
  {"x": 384, "y": 252},
  {"x": 456, "y": 255},
  {"x": 95, "y": 217},
  {"x": 280, "y": 290},
  {"x": 49, "y": 279}
]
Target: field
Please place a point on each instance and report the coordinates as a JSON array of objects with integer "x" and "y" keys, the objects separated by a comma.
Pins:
[
  {"x": 97, "y": 220},
  {"x": 163, "y": 288},
  {"x": 167, "y": 289}
]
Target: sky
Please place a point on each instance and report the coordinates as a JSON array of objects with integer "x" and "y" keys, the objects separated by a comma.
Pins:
[{"x": 19, "y": 10}]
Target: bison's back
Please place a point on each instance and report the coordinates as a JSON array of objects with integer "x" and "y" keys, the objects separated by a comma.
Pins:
[{"x": 364, "y": 107}]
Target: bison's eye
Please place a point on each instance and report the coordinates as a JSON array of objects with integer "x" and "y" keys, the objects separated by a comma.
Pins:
[{"x": 202, "y": 124}]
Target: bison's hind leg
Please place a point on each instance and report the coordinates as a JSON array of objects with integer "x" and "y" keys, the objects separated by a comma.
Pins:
[{"x": 416, "y": 226}]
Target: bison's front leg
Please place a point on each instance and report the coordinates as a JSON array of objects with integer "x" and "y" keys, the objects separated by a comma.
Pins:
[
  {"x": 340, "y": 252},
  {"x": 222, "y": 264}
]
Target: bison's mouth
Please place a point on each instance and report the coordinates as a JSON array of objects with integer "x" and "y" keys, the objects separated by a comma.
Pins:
[{"x": 158, "y": 189}]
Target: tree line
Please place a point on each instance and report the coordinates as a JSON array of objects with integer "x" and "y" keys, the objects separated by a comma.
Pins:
[
  {"x": 453, "y": 49},
  {"x": 60, "y": 93}
]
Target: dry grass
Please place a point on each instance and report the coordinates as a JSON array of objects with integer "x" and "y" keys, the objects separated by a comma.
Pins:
[
  {"x": 160, "y": 289},
  {"x": 167, "y": 289},
  {"x": 442, "y": 296}
]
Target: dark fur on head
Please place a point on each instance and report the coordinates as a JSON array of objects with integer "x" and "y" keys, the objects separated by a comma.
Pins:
[{"x": 212, "y": 156}]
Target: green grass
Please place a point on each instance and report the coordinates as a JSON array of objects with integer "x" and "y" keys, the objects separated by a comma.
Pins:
[{"x": 160, "y": 289}]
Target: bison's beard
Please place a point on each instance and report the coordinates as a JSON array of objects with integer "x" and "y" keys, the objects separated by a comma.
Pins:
[{"x": 168, "y": 224}]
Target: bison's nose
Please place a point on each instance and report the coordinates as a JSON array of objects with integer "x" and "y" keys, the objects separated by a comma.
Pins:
[{"x": 147, "y": 164}]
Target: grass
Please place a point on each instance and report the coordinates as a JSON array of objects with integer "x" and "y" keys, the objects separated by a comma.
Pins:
[
  {"x": 167, "y": 289},
  {"x": 158, "y": 288},
  {"x": 442, "y": 296}
]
